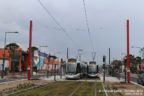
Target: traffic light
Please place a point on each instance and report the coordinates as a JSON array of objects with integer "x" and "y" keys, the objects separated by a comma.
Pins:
[
  {"x": 103, "y": 66},
  {"x": 104, "y": 61},
  {"x": 104, "y": 58},
  {"x": 125, "y": 60},
  {"x": 61, "y": 60}
]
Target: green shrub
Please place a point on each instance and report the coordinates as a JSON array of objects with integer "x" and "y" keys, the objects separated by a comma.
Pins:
[
  {"x": 1, "y": 93},
  {"x": 114, "y": 88},
  {"x": 25, "y": 85},
  {"x": 108, "y": 87}
]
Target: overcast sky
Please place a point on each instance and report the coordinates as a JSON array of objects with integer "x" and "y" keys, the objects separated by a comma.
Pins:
[{"x": 107, "y": 22}]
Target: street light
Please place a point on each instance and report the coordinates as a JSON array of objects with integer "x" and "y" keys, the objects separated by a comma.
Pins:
[
  {"x": 136, "y": 47},
  {"x": 80, "y": 53},
  {"x": 39, "y": 58},
  {"x": 60, "y": 66},
  {"x": 2, "y": 73},
  {"x": 43, "y": 46}
]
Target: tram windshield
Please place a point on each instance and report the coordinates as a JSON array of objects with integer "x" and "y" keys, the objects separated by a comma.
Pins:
[
  {"x": 71, "y": 66},
  {"x": 71, "y": 60},
  {"x": 92, "y": 69},
  {"x": 92, "y": 62}
]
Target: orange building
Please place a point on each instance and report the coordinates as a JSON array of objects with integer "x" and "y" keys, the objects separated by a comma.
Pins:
[
  {"x": 17, "y": 61},
  {"x": 13, "y": 60}
]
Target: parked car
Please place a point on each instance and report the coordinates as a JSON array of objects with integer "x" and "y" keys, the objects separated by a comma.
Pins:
[{"x": 140, "y": 79}]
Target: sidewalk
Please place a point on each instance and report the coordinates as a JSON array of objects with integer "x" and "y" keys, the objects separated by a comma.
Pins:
[
  {"x": 131, "y": 75},
  {"x": 37, "y": 77},
  {"x": 110, "y": 79},
  {"x": 52, "y": 78},
  {"x": 115, "y": 79},
  {"x": 11, "y": 78}
]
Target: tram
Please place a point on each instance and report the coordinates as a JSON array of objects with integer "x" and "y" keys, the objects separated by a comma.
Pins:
[
  {"x": 92, "y": 69},
  {"x": 75, "y": 69}
]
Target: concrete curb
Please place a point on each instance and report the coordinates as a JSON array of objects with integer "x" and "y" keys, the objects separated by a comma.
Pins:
[
  {"x": 12, "y": 81},
  {"x": 104, "y": 89},
  {"x": 36, "y": 86},
  {"x": 20, "y": 91},
  {"x": 137, "y": 84}
]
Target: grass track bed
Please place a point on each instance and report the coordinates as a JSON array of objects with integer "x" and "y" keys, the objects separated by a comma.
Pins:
[
  {"x": 62, "y": 88},
  {"x": 87, "y": 89},
  {"x": 65, "y": 91},
  {"x": 99, "y": 88}
]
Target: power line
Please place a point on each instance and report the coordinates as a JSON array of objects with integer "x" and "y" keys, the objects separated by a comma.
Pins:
[
  {"x": 55, "y": 20},
  {"x": 87, "y": 24},
  {"x": 93, "y": 55}
]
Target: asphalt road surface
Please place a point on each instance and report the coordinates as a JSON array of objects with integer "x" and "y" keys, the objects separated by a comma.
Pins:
[
  {"x": 20, "y": 78},
  {"x": 134, "y": 79}
]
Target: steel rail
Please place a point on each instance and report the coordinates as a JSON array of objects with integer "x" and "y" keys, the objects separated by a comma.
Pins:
[{"x": 73, "y": 93}]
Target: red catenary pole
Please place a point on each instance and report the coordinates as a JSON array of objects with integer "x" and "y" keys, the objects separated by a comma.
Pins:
[
  {"x": 30, "y": 41},
  {"x": 128, "y": 58}
]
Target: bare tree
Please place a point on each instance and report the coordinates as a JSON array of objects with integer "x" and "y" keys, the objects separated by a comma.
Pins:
[{"x": 142, "y": 52}]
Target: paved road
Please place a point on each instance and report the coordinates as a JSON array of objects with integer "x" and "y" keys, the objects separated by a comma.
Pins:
[
  {"x": 134, "y": 79},
  {"x": 20, "y": 78}
]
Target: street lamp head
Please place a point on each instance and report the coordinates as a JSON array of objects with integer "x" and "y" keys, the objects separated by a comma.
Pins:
[
  {"x": 12, "y": 32},
  {"x": 16, "y": 32},
  {"x": 43, "y": 46}
]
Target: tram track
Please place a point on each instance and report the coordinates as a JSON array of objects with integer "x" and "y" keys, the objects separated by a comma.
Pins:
[
  {"x": 52, "y": 91},
  {"x": 95, "y": 94},
  {"x": 85, "y": 89},
  {"x": 49, "y": 88},
  {"x": 63, "y": 89},
  {"x": 74, "y": 92},
  {"x": 67, "y": 88}
]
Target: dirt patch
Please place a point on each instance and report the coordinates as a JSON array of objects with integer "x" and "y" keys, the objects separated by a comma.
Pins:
[
  {"x": 12, "y": 86},
  {"x": 123, "y": 89}
]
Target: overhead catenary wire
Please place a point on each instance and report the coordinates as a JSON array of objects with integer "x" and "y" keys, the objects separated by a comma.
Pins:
[
  {"x": 93, "y": 55},
  {"x": 87, "y": 24},
  {"x": 56, "y": 21}
]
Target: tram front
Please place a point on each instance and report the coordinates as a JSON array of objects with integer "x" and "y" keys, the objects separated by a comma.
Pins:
[{"x": 72, "y": 69}]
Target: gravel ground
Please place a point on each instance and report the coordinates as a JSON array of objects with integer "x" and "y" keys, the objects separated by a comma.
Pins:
[
  {"x": 123, "y": 89},
  {"x": 15, "y": 83}
]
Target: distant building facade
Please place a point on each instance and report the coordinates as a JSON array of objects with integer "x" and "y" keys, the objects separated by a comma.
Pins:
[
  {"x": 17, "y": 61},
  {"x": 13, "y": 60},
  {"x": 40, "y": 62}
]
